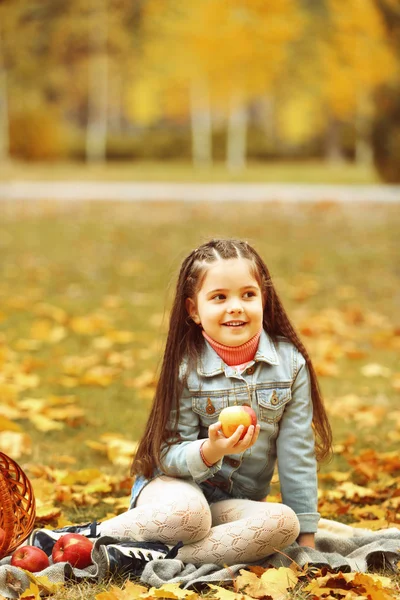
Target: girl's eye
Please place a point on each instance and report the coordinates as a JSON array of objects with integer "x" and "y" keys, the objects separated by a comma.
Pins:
[
  {"x": 218, "y": 297},
  {"x": 249, "y": 294}
]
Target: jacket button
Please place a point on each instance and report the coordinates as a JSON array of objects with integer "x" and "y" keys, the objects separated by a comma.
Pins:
[
  {"x": 233, "y": 462},
  {"x": 210, "y": 408},
  {"x": 274, "y": 398},
  {"x": 250, "y": 371}
]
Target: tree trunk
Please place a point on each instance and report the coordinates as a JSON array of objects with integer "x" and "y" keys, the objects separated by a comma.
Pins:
[
  {"x": 334, "y": 151},
  {"x": 115, "y": 108},
  {"x": 96, "y": 132},
  {"x": 237, "y": 136},
  {"x": 200, "y": 116},
  {"x": 363, "y": 125},
  {"x": 4, "y": 114}
]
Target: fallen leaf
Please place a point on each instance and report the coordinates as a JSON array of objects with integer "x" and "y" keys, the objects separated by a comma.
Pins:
[
  {"x": 375, "y": 370},
  {"x": 170, "y": 590},
  {"x": 13, "y": 582},
  {"x": 15, "y": 444},
  {"x": 224, "y": 594}
]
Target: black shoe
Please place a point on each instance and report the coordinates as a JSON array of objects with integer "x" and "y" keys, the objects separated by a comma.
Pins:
[
  {"x": 46, "y": 538},
  {"x": 126, "y": 558}
]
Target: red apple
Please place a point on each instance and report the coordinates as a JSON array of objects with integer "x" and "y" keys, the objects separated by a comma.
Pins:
[
  {"x": 30, "y": 558},
  {"x": 73, "y": 548},
  {"x": 233, "y": 416}
]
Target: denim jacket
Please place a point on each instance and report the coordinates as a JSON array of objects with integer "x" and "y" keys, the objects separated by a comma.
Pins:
[{"x": 276, "y": 385}]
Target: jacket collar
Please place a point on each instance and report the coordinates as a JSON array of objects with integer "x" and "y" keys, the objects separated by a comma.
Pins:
[{"x": 211, "y": 364}]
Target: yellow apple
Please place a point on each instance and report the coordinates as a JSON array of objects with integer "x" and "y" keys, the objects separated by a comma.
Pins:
[{"x": 233, "y": 416}]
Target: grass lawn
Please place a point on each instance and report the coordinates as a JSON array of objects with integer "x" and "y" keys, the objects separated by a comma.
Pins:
[
  {"x": 175, "y": 171},
  {"x": 84, "y": 296}
]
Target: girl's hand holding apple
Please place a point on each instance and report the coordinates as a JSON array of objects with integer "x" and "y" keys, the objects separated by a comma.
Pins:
[{"x": 242, "y": 438}]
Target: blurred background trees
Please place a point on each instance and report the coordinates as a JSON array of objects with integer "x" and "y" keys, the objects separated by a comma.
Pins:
[{"x": 232, "y": 80}]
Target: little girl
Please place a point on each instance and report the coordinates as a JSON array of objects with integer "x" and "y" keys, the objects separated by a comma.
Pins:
[{"x": 230, "y": 342}]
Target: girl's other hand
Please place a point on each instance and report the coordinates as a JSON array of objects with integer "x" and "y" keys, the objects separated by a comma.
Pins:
[{"x": 218, "y": 445}]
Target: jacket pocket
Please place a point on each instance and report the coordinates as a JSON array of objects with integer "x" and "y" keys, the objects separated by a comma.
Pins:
[
  {"x": 209, "y": 406},
  {"x": 272, "y": 402}
]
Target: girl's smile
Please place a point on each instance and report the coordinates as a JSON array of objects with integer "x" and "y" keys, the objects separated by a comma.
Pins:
[{"x": 229, "y": 304}]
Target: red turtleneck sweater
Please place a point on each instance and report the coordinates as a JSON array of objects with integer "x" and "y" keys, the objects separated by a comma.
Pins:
[{"x": 235, "y": 356}]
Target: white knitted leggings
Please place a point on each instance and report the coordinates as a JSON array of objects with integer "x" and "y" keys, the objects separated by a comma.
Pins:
[{"x": 227, "y": 532}]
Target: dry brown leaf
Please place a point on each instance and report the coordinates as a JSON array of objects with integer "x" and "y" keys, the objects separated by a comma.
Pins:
[{"x": 13, "y": 582}]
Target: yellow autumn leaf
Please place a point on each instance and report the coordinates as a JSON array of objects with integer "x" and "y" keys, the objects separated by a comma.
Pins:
[
  {"x": 130, "y": 591},
  {"x": 46, "y": 513},
  {"x": 370, "y": 511},
  {"x": 68, "y": 382},
  {"x": 43, "y": 423},
  {"x": 7, "y": 425},
  {"x": 15, "y": 443},
  {"x": 49, "y": 310},
  {"x": 76, "y": 365},
  {"x": 70, "y": 413},
  {"x": 121, "y": 452},
  {"x": 98, "y": 376},
  {"x": 32, "y": 405},
  {"x": 374, "y": 524},
  {"x": 8, "y": 391},
  {"x": 350, "y": 490},
  {"x": 372, "y": 582},
  {"x": 97, "y": 487},
  {"x": 40, "y": 329},
  {"x": 102, "y": 343},
  {"x": 145, "y": 379},
  {"x": 224, "y": 594},
  {"x": 121, "y": 337},
  {"x": 326, "y": 368},
  {"x": 44, "y": 584},
  {"x": 26, "y": 345},
  {"x": 82, "y": 476},
  {"x": 375, "y": 370},
  {"x": 170, "y": 590},
  {"x": 25, "y": 381},
  {"x": 98, "y": 446},
  {"x": 31, "y": 593},
  {"x": 248, "y": 582},
  {"x": 278, "y": 581}
]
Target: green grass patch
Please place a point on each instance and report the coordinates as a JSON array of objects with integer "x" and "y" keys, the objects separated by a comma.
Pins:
[{"x": 312, "y": 171}]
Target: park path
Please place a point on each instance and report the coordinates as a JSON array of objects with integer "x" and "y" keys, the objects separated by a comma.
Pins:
[{"x": 196, "y": 192}]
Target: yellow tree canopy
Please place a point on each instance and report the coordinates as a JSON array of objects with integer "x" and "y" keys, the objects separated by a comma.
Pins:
[
  {"x": 355, "y": 55},
  {"x": 236, "y": 47}
]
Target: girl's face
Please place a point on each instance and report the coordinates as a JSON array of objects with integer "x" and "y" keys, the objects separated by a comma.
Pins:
[{"x": 229, "y": 304}]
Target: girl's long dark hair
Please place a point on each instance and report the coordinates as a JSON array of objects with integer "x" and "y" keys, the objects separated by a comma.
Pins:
[{"x": 185, "y": 340}]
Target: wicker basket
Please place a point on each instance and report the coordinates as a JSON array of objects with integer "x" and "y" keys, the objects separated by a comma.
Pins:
[{"x": 17, "y": 505}]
